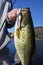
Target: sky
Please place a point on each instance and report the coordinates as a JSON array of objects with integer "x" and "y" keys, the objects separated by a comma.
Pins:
[{"x": 36, "y": 8}]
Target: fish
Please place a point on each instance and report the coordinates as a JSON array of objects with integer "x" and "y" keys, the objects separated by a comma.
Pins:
[{"x": 24, "y": 36}]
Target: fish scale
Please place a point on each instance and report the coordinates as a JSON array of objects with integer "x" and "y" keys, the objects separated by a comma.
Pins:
[{"x": 25, "y": 44}]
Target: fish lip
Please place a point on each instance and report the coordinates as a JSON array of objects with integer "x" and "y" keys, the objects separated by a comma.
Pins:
[{"x": 18, "y": 21}]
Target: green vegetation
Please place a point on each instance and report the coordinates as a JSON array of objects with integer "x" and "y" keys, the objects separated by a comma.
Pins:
[{"x": 39, "y": 32}]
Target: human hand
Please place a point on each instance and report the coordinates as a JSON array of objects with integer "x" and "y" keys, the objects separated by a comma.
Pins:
[{"x": 12, "y": 15}]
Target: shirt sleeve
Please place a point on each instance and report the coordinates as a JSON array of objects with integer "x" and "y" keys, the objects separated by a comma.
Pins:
[
  {"x": 10, "y": 5},
  {"x": 9, "y": 23}
]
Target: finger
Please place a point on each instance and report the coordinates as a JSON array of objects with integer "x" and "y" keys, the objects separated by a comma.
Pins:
[{"x": 13, "y": 18}]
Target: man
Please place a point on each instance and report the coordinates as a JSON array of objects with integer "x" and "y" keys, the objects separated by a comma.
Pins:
[{"x": 7, "y": 17}]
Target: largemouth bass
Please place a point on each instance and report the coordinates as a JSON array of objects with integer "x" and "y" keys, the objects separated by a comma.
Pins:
[{"x": 24, "y": 36}]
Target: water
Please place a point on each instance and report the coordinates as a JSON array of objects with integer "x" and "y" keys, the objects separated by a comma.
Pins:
[
  {"x": 11, "y": 47},
  {"x": 12, "y": 50},
  {"x": 39, "y": 53},
  {"x": 38, "y": 60}
]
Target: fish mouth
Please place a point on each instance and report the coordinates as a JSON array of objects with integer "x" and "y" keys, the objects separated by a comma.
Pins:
[{"x": 18, "y": 25}]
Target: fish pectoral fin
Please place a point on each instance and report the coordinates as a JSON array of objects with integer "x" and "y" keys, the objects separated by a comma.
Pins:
[{"x": 18, "y": 33}]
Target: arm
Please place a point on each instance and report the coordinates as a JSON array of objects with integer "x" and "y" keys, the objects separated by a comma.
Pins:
[
  {"x": 9, "y": 23},
  {"x": 11, "y": 17}
]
